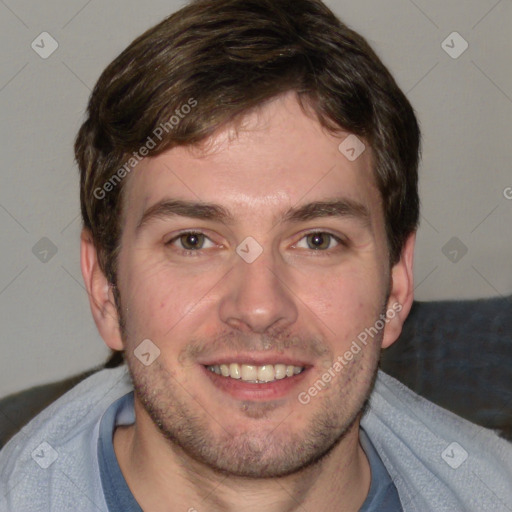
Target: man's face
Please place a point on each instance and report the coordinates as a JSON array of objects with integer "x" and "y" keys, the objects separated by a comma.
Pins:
[{"x": 319, "y": 281}]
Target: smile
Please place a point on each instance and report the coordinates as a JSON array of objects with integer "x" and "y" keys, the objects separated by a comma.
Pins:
[{"x": 255, "y": 374}]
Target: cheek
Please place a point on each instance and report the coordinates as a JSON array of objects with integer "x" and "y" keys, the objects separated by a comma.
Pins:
[
  {"x": 346, "y": 302},
  {"x": 153, "y": 303},
  {"x": 163, "y": 301}
]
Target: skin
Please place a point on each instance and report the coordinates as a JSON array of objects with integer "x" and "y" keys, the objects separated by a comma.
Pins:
[{"x": 194, "y": 445}]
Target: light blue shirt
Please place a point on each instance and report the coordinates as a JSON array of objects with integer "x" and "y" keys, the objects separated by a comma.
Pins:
[{"x": 438, "y": 461}]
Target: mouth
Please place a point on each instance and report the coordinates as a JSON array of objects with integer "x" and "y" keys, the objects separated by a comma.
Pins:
[
  {"x": 256, "y": 374},
  {"x": 256, "y": 382}
]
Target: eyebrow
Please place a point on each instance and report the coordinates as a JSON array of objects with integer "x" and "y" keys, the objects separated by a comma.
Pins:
[{"x": 342, "y": 207}]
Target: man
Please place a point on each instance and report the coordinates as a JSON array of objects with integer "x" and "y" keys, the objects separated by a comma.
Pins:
[{"x": 249, "y": 200}]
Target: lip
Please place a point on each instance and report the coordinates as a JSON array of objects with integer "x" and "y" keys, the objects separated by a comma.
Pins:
[
  {"x": 265, "y": 391},
  {"x": 256, "y": 359}
]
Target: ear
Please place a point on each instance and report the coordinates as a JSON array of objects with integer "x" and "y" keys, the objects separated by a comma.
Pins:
[
  {"x": 402, "y": 292},
  {"x": 99, "y": 290}
]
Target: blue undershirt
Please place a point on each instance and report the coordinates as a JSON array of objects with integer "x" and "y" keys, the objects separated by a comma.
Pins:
[{"x": 382, "y": 497}]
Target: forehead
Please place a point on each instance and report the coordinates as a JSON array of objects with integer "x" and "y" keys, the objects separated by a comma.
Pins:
[{"x": 278, "y": 157}]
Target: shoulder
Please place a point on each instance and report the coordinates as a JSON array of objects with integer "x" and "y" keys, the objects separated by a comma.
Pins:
[
  {"x": 423, "y": 446},
  {"x": 54, "y": 455}
]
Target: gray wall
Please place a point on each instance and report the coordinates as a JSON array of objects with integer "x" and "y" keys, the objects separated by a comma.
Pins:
[{"x": 464, "y": 105}]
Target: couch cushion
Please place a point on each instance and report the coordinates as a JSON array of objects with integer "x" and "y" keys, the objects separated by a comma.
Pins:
[{"x": 458, "y": 354}]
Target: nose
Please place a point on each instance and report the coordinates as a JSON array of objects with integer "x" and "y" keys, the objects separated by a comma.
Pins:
[{"x": 257, "y": 296}]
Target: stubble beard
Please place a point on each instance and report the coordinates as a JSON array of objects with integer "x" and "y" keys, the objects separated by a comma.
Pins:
[{"x": 260, "y": 452}]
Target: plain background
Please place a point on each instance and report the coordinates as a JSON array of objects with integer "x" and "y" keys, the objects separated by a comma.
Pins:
[{"x": 464, "y": 106}]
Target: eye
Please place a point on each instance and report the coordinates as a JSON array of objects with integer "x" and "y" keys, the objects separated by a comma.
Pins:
[
  {"x": 191, "y": 241},
  {"x": 319, "y": 241}
]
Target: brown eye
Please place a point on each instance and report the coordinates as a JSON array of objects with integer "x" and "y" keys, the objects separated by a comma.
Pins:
[
  {"x": 320, "y": 241},
  {"x": 191, "y": 241}
]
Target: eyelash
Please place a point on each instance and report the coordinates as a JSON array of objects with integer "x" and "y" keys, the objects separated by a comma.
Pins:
[{"x": 326, "y": 252}]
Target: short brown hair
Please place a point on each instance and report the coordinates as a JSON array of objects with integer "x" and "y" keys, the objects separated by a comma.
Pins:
[{"x": 230, "y": 56}]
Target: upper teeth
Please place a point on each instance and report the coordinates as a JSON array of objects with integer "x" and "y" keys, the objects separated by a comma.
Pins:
[{"x": 253, "y": 373}]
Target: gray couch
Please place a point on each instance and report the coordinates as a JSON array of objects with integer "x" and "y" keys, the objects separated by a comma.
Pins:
[{"x": 458, "y": 354}]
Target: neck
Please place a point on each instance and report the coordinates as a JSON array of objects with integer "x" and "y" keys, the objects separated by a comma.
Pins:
[{"x": 160, "y": 473}]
